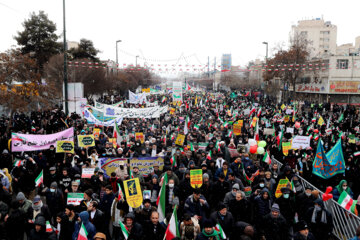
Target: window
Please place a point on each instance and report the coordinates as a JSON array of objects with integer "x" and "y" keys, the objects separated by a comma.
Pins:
[
  {"x": 325, "y": 32},
  {"x": 303, "y": 33},
  {"x": 342, "y": 64}
]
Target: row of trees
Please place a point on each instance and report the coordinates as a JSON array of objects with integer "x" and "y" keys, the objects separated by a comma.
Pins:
[{"x": 32, "y": 74}]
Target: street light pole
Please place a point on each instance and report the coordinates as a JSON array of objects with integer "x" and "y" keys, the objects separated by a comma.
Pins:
[
  {"x": 65, "y": 65},
  {"x": 117, "y": 60},
  {"x": 267, "y": 44},
  {"x": 136, "y": 61}
]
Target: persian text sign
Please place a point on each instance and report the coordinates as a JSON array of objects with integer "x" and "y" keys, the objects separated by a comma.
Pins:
[
  {"x": 146, "y": 165},
  {"x": 31, "y": 142},
  {"x": 282, "y": 183},
  {"x": 300, "y": 142},
  {"x": 345, "y": 87},
  {"x": 196, "y": 178},
  {"x": 74, "y": 198},
  {"x": 150, "y": 112}
]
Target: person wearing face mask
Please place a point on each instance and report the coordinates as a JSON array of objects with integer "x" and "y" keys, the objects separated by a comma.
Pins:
[
  {"x": 287, "y": 204},
  {"x": 320, "y": 220},
  {"x": 342, "y": 186},
  {"x": 185, "y": 188},
  {"x": 223, "y": 217},
  {"x": 180, "y": 172},
  {"x": 262, "y": 204},
  {"x": 172, "y": 192},
  {"x": 274, "y": 225},
  {"x": 54, "y": 198},
  {"x": 304, "y": 201}
]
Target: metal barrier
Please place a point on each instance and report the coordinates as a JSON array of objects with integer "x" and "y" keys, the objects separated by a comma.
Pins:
[{"x": 345, "y": 222}]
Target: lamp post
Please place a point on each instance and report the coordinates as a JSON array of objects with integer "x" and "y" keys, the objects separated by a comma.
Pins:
[
  {"x": 117, "y": 60},
  {"x": 65, "y": 65},
  {"x": 267, "y": 44},
  {"x": 136, "y": 61}
]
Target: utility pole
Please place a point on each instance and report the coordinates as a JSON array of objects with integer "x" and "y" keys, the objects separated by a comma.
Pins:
[
  {"x": 117, "y": 60},
  {"x": 208, "y": 67},
  {"x": 65, "y": 64}
]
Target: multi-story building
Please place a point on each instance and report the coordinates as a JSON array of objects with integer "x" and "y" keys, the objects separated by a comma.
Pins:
[{"x": 321, "y": 36}]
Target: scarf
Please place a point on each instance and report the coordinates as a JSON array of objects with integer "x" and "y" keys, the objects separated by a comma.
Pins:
[
  {"x": 323, "y": 216},
  {"x": 214, "y": 234},
  {"x": 340, "y": 189}
]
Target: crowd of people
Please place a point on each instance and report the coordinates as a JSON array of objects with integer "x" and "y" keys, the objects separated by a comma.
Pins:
[{"x": 238, "y": 189}]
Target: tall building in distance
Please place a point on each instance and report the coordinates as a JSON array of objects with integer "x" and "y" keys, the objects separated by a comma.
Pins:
[
  {"x": 226, "y": 62},
  {"x": 321, "y": 35}
]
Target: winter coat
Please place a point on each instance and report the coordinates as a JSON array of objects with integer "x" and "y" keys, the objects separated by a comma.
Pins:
[
  {"x": 274, "y": 228},
  {"x": 42, "y": 234},
  {"x": 192, "y": 207},
  {"x": 55, "y": 201},
  {"x": 221, "y": 170},
  {"x": 136, "y": 233},
  {"x": 90, "y": 228},
  {"x": 240, "y": 210},
  {"x": 15, "y": 224},
  {"x": 287, "y": 208},
  {"x": 154, "y": 232},
  {"x": 262, "y": 206},
  {"x": 298, "y": 236},
  {"x": 98, "y": 221},
  {"x": 226, "y": 222}
]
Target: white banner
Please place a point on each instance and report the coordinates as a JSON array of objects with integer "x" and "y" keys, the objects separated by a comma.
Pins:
[
  {"x": 290, "y": 130},
  {"x": 92, "y": 120},
  {"x": 151, "y": 112},
  {"x": 137, "y": 98},
  {"x": 177, "y": 91},
  {"x": 300, "y": 141}
]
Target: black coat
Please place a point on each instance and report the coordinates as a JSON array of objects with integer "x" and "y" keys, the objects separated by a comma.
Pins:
[
  {"x": 154, "y": 232},
  {"x": 136, "y": 233},
  {"x": 15, "y": 224},
  {"x": 274, "y": 228},
  {"x": 98, "y": 221},
  {"x": 240, "y": 210},
  {"x": 226, "y": 222}
]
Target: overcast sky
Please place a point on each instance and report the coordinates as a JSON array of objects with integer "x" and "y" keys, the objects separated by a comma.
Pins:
[{"x": 161, "y": 30}]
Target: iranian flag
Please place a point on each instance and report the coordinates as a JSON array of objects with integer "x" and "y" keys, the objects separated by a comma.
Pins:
[
  {"x": 188, "y": 87},
  {"x": 82, "y": 233},
  {"x": 116, "y": 133},
  {"x": 124, "y": 230},
  {"x": 221, "y": 232},
  {"x": 163, "y": 99},
  {"x": 120, "y": 193},
  {"x": 209, "y": 155},
  {"x": 313, "y": 120},
  {"x": 259, "y": 112},
  {"x": 252, "y": 111},
  {"x": 172, "y": 230},
  {"x": 196, "y": 127},
  {"x": 267, "y": 158},
  {"x": 341, "y": 118},
  {"x": 160, "y": 202},
  {"x": 229, "y": 134},
  {"x": 48, "y": 227},
  {"x": 40, "y": 179},
  {"x": 192, "y": 147},
  {"x": 187, "y": 125},
  {"x": 293, "y": 186},
  {"x": 356, "y": 154},
  {"x": 225, "y": 124},
  {"x": 152, "y": 127},
  {"x": 217, "y": 145},
  {"x": 279, "y": 138},
  {"x": 345, "y": 200},
  {"x": 17, "y": 163},
  {"x": 173, "y": 161}
]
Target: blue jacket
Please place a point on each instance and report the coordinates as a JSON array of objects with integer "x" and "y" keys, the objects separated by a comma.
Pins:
[
  {"x": 90, "y": 228},
  {"x": 219, "y": 171}
]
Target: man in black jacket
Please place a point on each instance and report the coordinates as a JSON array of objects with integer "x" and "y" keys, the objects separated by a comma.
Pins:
[
  {"x": 154, "y": 230},
  {"x": 274, "y": 226},
  {"x": 134, "y": 229},
  {"x": 96, "y": 217},
  {"x": 224, "y": 218}
]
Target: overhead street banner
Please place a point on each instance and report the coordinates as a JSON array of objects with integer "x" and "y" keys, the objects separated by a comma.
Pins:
[{"x": 150, "y": 112}]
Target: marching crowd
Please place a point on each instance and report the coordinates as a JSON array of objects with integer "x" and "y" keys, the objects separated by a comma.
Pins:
[{"x": 236, "y": 199}]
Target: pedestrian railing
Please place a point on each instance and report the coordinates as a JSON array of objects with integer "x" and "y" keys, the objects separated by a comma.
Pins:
[{"x": 345, "y": 222}]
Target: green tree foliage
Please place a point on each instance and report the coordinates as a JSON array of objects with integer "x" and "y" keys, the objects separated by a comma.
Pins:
[
  {"x": 38, "y": 38},
  {"x": 85, "y": 50}
]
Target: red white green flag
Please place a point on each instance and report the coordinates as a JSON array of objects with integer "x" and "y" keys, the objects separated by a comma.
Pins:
[
  {"x": 40, "y": 179},
  {"x": 160, "y": 202},
  {"x": 48, "y": 227},
  {"x": 173, "y": 161},
  {"x": 116, "y": 133},
  {"x": 82, "y": 233},
  {"x": 209, "y": 155},
  {"x": 267, "y": 158},
  {"x": 172, "y": 230},
  {"x": 345, "y": 200},
  {"x": 124, "y": 230},
  {"x": 221, "y": 232},
  {"x": 120, "y": 193},
  {"x": 17, "y": 163}
]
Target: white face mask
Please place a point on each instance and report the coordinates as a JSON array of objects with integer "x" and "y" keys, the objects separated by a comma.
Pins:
[
  {"x": 261, "y": 185},
  {"x": 171, "y": 185},
  {"x": 308, "y": 194},
  {"x": 344, "y": 187},
  {"x": 52, "y": 190}
]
